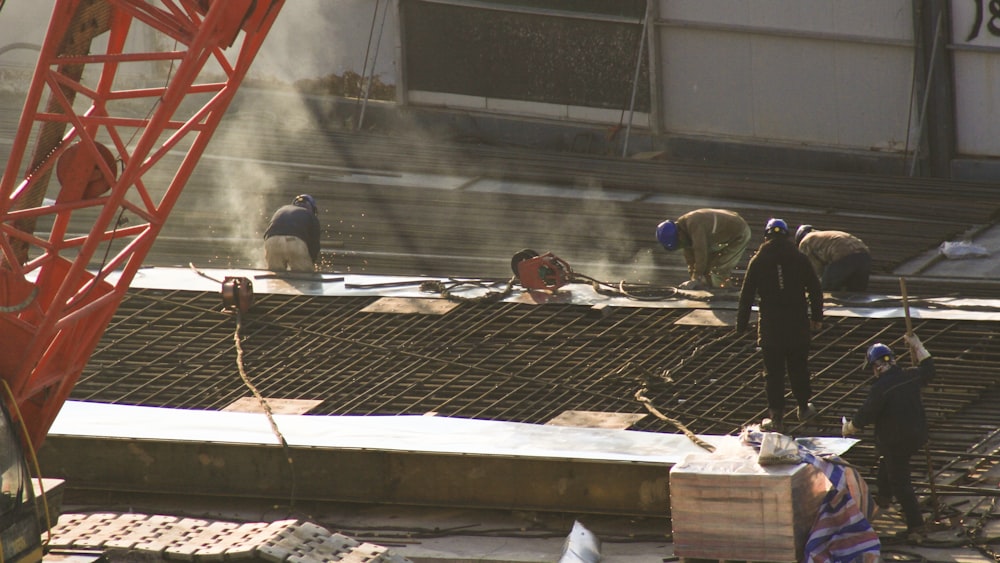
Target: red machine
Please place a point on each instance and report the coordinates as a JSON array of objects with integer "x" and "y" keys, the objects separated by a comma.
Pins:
[
  {"x": 545, "y": 272},
  {"x": 59, "y": 291}
]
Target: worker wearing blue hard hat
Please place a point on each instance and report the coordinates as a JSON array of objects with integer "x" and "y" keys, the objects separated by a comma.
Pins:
[
  {"x": 713, "y": 242},
  {"x": 895, "y": 408},
  {"x": 790, "y": 306}
]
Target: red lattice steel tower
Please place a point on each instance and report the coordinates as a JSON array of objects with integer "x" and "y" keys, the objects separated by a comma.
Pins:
[{"x": 98, "y": 144}]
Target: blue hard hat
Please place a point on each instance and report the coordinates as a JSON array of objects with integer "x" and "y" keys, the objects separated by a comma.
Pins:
[
  {"x": 776, "y": 227},
  {"x": 666, "y": 233},
  {"x": 879, "y": 352},
  {"x": 307, "y": 201},
  {"x": 802, "y": 231}
]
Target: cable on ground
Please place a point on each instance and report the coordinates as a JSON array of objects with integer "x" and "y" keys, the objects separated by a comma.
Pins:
[{"x": 263, "y": 404}]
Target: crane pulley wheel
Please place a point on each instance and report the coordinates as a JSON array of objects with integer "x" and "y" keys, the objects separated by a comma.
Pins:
[
  {"x": 237, "y": 294},
  {"x": 16, "y": 293},
  {"x": 79, "y": 173}
]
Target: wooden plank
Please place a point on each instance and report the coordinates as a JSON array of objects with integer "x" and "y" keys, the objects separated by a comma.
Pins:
[
  {"x": 737, "y": 510},
  {"x": 595, "y": 419}
]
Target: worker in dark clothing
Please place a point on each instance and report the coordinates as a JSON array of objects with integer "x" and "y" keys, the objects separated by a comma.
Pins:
[
  {"x": 291, "y": 241},
  {"x": 713, "y": 240},
  {"x": 841, "y": 260},
  {"x": 790, "y": 307},
  {"x": 895, "y": 408}
]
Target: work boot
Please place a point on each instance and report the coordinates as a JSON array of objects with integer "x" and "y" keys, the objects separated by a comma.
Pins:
[
  {"x": 806, "y": 413},
  {"x": 772, "y": 423},
  {"x": 883, "y": 501},
  {"x": 917, "y": 535}
]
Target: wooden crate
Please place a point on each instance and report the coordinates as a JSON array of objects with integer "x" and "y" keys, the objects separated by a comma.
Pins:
[{"x": 736, "y": 509}]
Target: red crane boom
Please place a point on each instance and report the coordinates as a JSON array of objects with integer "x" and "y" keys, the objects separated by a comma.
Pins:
[
  {"x": 102, "y": 140},
  {"x": 121, "y": 156}
]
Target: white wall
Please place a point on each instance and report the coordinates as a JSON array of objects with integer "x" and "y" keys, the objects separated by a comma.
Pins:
[
  {"x": 818, "y": 73},
  {"x": 23, "y": 22},
  {"x": 831, "y": 73},
  {"x": 977, "y": 81}
]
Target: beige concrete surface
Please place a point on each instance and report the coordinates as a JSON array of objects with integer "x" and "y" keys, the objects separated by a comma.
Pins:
[{"x": 459, "y": 535}]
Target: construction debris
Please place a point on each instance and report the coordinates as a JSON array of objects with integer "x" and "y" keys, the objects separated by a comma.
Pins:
[{"x": 121, "y": 537}]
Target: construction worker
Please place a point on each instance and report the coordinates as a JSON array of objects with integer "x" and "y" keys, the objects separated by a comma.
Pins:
[
  {"x": 291, "y": 241},
  {"x": 841, "y": 260},
  {"x": 713, "y": 240},
  {"x": 894, "y": 406},
  {"x": 783, "y": 280}
]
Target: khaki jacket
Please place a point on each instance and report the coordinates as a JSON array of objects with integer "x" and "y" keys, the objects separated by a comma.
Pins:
[
  {"x": 824, "y": 247},
  {"x": 705, "y": 233}
]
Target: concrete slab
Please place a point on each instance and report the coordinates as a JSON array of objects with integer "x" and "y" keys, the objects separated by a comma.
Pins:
[
  {"x": 975, "y": 254},
  {"x": 409, "y": 460},
  {"x": 431, "y": 434}
]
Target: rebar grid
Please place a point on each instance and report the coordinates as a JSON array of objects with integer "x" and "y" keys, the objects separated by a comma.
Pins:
[{"x": 524, "y": 363}]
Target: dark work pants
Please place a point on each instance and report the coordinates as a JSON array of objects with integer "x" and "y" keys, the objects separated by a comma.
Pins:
[
  {"x": 894, "y": 477},
  {"x": 850, "y": 273},
  {"x": 780, "y": 359}
]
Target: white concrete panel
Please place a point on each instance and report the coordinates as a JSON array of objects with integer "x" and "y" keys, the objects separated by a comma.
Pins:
[
  {"x": 977, "y": 80},
  {"x": 542, "y": 109},
  {"x": 428, "y": 434},
  {"x": 785, "y": 89},
  {"x": 970, "y": 28},
  {"x": 597, "y": 115},
  {"x": 828, "y": 93},
  {"x": 794, "y": 90},
  {"x": 873, "y": 97},
  {"x": 706, "y": 81},
  {"x": 446, "y": 100},
  {"x": 977, "y": 103},
  {"x": 884, "y": 19}
]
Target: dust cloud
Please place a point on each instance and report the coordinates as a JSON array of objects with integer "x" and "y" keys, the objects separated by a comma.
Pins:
[
  {"x": 596, "y": 238},
  {"x": 310, "y": 40},
  {"x": 316, "y": 38},
  {"x": 243, "y": 176}
]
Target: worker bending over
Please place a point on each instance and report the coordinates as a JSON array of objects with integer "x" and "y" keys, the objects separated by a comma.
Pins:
[
  {"x": 291, "y": 241},
  {"x": 841, "y": 260},
  {"x": 713, "y": 240}
]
